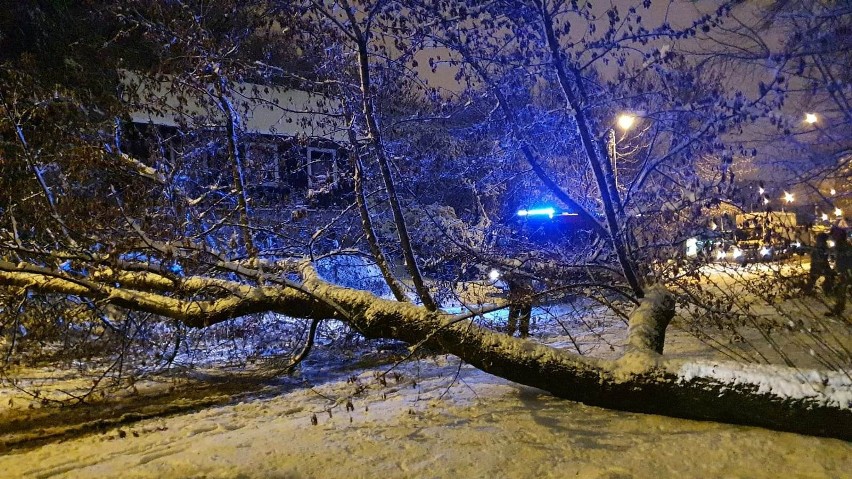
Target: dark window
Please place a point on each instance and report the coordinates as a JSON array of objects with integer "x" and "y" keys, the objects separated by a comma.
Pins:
[
  {"x": 263, "y": 164},
  {"x": 322, "y": 167}
]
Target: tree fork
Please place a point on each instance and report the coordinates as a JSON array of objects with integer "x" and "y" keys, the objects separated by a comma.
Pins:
[{"x": 375, "y": 138}]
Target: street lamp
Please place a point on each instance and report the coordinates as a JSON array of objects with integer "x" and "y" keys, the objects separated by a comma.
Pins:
[
  {"x": 625, "y": 121},
  {"x": 811, "y": 118},
  {"x": 788, "y": 197},
  {"x": 493, "y": 275},
  {"x": 838, "y": 212}
]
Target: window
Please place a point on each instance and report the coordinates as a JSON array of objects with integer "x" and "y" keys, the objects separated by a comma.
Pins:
[
  {"x": 322, "y": 167},
  {"x": 262, "y": 160}
]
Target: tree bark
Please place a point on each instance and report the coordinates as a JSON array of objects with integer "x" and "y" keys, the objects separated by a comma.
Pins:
[
  {"x": 232, "y": 127},
  {"x": 366, "y": 222},
  {"x": 641, "y": 381},
  {"x": 372, "y": 240},
  {"x": 375, "y": 138},
  {"x": 647, "y": 329}
]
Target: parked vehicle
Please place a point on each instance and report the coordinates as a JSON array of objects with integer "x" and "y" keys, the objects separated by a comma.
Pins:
[{"x": 757, "y": 237}]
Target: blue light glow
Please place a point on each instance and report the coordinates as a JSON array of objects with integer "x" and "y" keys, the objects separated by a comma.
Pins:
[{"x": 549, "y": 212}]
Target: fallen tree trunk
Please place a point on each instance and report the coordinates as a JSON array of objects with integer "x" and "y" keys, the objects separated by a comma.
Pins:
[{"x": 643, "y": 380}]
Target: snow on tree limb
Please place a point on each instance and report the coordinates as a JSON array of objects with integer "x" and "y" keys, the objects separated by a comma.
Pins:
[
  {"x": 641, "y": 381},
  {"x": 648, "y": 322},
  {"x": 242, "y": 301}
]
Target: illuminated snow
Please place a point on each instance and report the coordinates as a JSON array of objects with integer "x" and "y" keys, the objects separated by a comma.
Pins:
[{"x": 827, "y": 387}]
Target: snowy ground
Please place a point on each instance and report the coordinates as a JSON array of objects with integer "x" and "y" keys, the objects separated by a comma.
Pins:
[
  {"x": 470, "y": 425},
  {"x": 432, "y": 417}
]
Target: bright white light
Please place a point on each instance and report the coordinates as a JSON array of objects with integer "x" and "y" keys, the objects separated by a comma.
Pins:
[
  {"x": 760, "y": 190},
  {"x": 713, "y": 225},
  {"x": 764, "y": 251},
  {"x": 692, "y": 247},
  {"x": 737, "y": 253},
  {"x": 626, "y": 121},
  {"x": 810, "y": 118},
  {"x": 833, "y": 192},
  {"x": 825, "y": 216},
  {"x": 766, "y": 201},
  {"x": 720, "y": 254},
  {"x": 493, "y": 275},
  {"x": 838, "y": 212},
  {"x": 788, "y": 197},
  {"x": 831, "y": 243},
  {"x": 797, "y": 244},
  {"x": 538, "y": 212}
]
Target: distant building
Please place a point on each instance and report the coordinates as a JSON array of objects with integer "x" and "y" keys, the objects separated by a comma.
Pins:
[{"x": 290, "y": 140}]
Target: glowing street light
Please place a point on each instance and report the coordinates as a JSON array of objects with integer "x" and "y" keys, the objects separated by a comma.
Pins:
[
  {"x": 765, "y": 201},
  {"x": 833, "y": 192},
  {"x": 760, "y": 190},
  {"x": 838, "y": 212},
  {"x": 825, "y": 216},
  {"x": 810, "y": 118},
  {"x": 493, "y": 275},
  {"x": 625, "y": 121},
  {"x": 788, "y": 197}
]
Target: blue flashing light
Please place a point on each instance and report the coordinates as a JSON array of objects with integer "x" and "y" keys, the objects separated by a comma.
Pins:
[{"x": 549, "y": 212}]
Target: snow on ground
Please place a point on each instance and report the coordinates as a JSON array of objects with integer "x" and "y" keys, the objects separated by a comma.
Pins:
[
  {"x": 434, "y": 418},
  {"x": 431, "y": 423}
]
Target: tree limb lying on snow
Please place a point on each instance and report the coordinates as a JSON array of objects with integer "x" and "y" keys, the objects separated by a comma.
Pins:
[{"x": 643, "y": 380}]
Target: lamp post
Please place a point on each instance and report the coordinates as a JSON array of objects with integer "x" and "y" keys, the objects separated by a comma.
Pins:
[{"x": 624, "y": 121}]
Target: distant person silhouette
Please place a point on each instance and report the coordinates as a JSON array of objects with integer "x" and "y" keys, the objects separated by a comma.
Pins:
[
  {"x": 520, "y": 306},
  {"x": 843, "y": 270},
  {"x": 820, "y": 266}
]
